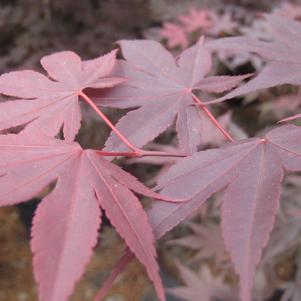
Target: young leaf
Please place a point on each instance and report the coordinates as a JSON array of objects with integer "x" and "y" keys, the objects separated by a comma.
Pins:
[
  {"x": 196, "y": 19},
  {"x": 174, "y": 34},
  {"x": 251, "y": 172},
  {"x": 222, "y": 24},
  {"x": 66, "y": 222},
  {"x": 162, "y": 88},
  {"x": 201, "y": 284},
  {"x": 283, "y": 55},
  {"x": 206, "y": 240},
  {"x": 46, "y": 104}
]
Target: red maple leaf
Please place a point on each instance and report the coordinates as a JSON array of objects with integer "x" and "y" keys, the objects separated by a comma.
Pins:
[
  {"x": 196, "y": 19},
  {"x": 174, "y": 34},
  {"x": 47, "y": 105},
  {"x": 201, "y": 285},
  {"x": 251, "y": 172},
  {"x": 206, "y": 240},
  {"x": 65, "y": 226},
  {"x": 282, "y": 53},
  {"x": 163, "y": 88}
]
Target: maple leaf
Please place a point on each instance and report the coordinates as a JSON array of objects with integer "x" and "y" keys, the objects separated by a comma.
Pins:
[
  {"x": 206, "y": 240},
  {"x": 202, "y": 284},
  {"x": 251, "y": 172},
  {"x": 65, "y": 226},
  {"x": 174, "y": 34},
  {"x": 163, "y": 89},
  {"x": 47, "y": 104},
  {"x": 283, "y": 55},
  {"x": 222, "y": 24},
  {"x": 259, "y": 29},
  {"x": 196, "y": 19}
]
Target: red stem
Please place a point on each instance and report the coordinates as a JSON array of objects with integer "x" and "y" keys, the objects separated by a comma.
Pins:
[
  {"x": 162, "y": 154},
  {"x": 141, "y": 153},
  {"x": 120, "y": 266},
  {"x": 136, "y": 152},
  {"x": 108, "y": 122},
  {"x": 211, "y": 117}
]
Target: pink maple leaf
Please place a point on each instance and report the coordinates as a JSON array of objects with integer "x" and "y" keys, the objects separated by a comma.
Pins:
[
  {"x": 201, "y": 286},
  {"x": 65, "y": 226},
  {"x": 196, "y": 19},
  {"x": 222, "y": 24},
  {"x": 251, "y": 172},
  {"x": 54, "y": 102},
  {"x": 206, "y": 240},
  {"x": 282, "y": 53},
  {"x": 175, "y": 35},
  {"x": 163, "y": 89}
]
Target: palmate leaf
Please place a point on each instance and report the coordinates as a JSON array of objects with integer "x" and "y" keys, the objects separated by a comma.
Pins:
[
  {"x": 162, "y": 88},
  {"x": 46, "y": 104},
  {"x": 201, "y": 284},
  {"x": 196, "y": 20},
  {"x": 66, "y": 222},
  {"x": 174, "y": 34},
  {"x": 250, "y": 172},
  {"x": 206, "y": 241},
  {"x": 283, "y": 55}
]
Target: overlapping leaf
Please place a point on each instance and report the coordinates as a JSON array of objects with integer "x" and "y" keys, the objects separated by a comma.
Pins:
[
  {"x": 162, "y": 88},
  {"x": 66, "y": 222},
  {"x": 251, "y": 172},
  {"x": 283, "y": 55},
  {"x": 46, "y": 104}
]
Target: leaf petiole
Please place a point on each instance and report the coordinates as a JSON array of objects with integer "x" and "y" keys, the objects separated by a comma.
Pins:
[
  {"x": 120, "y": 266},
  {"x": 89, "y": 101},
  {"x": 211, "y": 117},
  {"x": 142, "y": 153}
]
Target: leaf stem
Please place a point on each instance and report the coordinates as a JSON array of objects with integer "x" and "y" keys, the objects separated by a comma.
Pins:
[
  {"x": 120, "y": 266},
  {"x": 108, "y": 122},
  {"x": 163, "y": 154},
  {"x": 211, "y": 117},
  {"x": 142, "y": 153}
]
